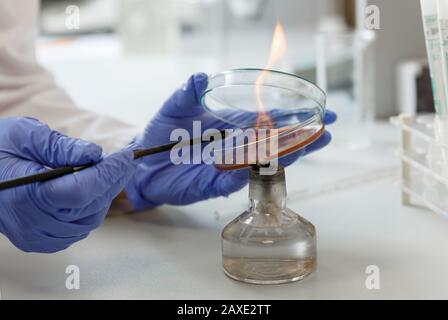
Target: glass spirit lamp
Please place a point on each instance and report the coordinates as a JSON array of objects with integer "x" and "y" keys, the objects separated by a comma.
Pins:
[{"x": 268, "y": 243}]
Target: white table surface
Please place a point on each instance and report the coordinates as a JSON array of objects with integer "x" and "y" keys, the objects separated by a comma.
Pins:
[{"x": 174, "y": 252}]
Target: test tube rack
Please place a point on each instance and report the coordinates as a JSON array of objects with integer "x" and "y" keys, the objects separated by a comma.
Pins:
[{"x": 423, "y": 163}]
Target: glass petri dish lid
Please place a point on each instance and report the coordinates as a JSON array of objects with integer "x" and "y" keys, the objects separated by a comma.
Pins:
[{"x": 290, "y": 108}]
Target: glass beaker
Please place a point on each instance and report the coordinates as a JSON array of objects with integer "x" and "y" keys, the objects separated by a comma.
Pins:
[
  {"x": 268, "y": 243},
  {"x": 345, "y": 69}
]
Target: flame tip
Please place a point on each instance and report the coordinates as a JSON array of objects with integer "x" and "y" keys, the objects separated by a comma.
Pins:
[{"x": 278, "y": 48}]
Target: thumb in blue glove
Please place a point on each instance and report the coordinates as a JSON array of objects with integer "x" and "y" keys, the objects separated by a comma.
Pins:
[{"x": 50, "y": 216}]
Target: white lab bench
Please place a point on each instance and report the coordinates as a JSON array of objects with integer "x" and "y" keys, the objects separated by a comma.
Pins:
[{"x": 174, "y": 252}]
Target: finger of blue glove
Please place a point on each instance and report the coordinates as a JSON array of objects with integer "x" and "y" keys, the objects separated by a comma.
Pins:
[
  {"x": 82, "y": 188},
  {"x": 58, "y": 244},
  {"x": 316, "y": 145},
  {"x": 227, "y": 182},
  {"x": 319, "y": 143},
  {"x": 95, "y": 211},
  {"x": 94, "y": 219},
  {"x": 45, "y": 244},
  {"x": 330, "y": 117},
  {"x": 185, "y": 101},
  {"x": 231, "y": 118},
  {"x": 35, "y": 141},
  {"x": 46, "y": 225},
  {"x": 291, "y": 158}
]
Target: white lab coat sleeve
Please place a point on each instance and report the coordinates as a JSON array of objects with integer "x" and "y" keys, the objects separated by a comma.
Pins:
[{"x": 27, "y": 89}]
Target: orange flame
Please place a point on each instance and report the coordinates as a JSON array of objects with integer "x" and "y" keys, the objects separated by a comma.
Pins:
[{"x": 278, "y": 49}]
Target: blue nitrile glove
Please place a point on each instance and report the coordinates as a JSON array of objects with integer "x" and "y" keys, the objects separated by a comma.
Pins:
[
  {"x": 158, "y": 181},
  {"x": 52, "y": 215}
]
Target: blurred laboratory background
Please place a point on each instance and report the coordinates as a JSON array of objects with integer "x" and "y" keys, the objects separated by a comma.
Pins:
[{"x": 131, "y": 54}]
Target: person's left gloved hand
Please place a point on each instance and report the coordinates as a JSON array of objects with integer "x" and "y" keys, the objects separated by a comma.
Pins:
[
  {"x": 52, "y": 215},
  {"x": 158, "y": 181}
]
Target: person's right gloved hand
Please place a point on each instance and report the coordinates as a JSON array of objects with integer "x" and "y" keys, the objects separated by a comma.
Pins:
[
  {"x": 50, "y": 216},
  {"x": 159, "y": 181}
]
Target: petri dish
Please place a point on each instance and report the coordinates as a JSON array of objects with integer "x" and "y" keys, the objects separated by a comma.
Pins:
[{"x": 285, "y": 107}]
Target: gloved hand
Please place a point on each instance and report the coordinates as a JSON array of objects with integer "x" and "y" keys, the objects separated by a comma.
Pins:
[
  {"x": 158, "y": 181},
  {"x": 50, "y": 216}
]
